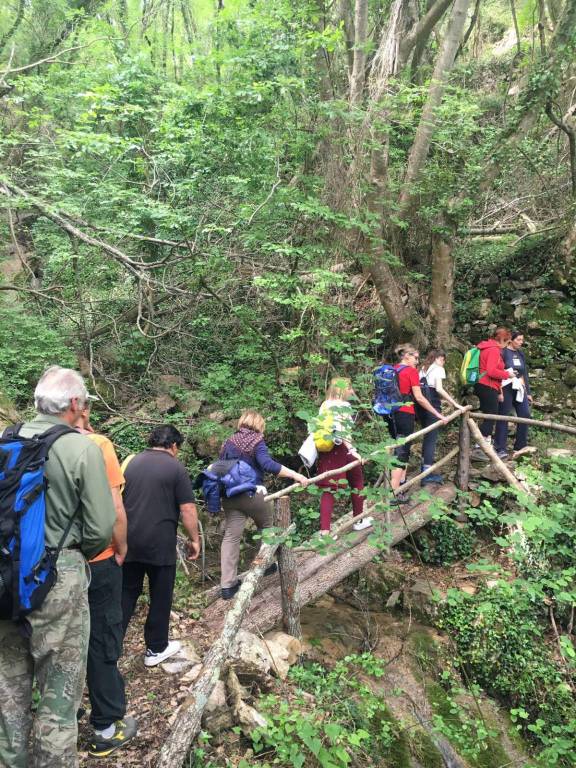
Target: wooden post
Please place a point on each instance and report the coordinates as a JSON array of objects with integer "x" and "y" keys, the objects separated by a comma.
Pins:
[
  {"x": 463, "y": 471},
  {"x": 290, "y": 590},
  {"x": 495, "y": 459}
]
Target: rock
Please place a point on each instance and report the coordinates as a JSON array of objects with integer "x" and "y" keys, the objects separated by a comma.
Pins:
[
  {"x": 565, "y": 343},
  {"x": 176, "y": 667},
  {"x": 289, "y": 375},
  {"x": 420, "y": 597},
  {"x": 188, "y": 652},
  {"x": 250, "y": 658},
  {"x": 168, "y": 382},
  {"x": 192, "y": 675},
  {"x": 392, "y": 601},
  {"x": 249, "y": 718},
  {"x": 291, "y": 645},
  {"x": 217, "y": 714},
  {"x": 190, "y": 403},
  {"x": 570, "y": 376},
  {"x": 165, "y": 404},
  {"x": 485, "y": 307},
  {"x": 217, "y": 416},
  {"x": 556, "y": 453}
]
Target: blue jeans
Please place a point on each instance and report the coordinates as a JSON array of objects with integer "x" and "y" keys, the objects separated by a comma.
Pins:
[
  {"x": 429, "y": 441},
  {"x": 505, "y": 409}
]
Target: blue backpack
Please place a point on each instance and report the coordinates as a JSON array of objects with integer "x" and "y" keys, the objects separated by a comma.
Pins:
[
  {"x": 230, "y": 477},
  {"x": 27, "y": 566},
  {"x": 387, "y": 396}
]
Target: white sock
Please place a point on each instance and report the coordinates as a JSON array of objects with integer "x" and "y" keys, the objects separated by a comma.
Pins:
[{"x": 107, "y": 733}]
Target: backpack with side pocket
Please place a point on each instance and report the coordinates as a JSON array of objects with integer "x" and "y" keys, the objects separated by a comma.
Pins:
[
  {"x": 470, "y": 368},
  {"x": 323, "y": 431},
  {"x": 27, "y": 566},
  {"x": 387, "y": 396},
  {"x": 225, "y": 478}
]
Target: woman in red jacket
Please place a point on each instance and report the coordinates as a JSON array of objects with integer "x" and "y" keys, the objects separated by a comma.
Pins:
[{"x": 492, "y": 373}]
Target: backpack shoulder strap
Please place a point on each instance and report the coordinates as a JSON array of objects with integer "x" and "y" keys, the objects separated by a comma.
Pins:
[{"x": 12, "y": 430}]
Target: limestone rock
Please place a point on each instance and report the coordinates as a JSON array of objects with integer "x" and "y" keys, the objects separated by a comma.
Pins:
[
  {"x": 217, "y": 416},
  {"x": 165, "y": 404},
  {"x": 217, "y": 714},
  {"x": 570, "y": 376},
  {"x": 190, "y": 403},
  {"x": 555, "y": 453},
  {"x": 192, "y": 675},
  {"x": 291, "y": 645},
  {"x": 176, "y": 667},
  {"x": 249, "y": 657}
]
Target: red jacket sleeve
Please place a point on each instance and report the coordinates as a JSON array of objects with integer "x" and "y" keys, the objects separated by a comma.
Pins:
[{"x": 495, "y": 365}]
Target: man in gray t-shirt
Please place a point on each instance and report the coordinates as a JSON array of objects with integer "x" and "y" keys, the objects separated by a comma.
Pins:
[{"x": 157, "y": 495}]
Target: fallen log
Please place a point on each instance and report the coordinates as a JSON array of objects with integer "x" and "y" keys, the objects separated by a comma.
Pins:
[{"x": 320, "y": 573}]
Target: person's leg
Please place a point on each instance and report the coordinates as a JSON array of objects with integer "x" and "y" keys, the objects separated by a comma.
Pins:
[
  {"x": 504, "y": 409},
  {"x": 16, "y": 675},
  {"x": 132, "y": 585},
  {"x": 404, "y": 426},
  {"x": 105, "y": 683},
  {"x": 234, "y": 520},
  {"x": 429, "y": 441},
  {"x": 161, "y": 580},
  {"x": 326, "y": 510},
  {"x": 355, "y": 477},
  {"x": 59, "y": 646},
  {"x": 488, "y": 404},
  {"x": 523, "y": 410}
]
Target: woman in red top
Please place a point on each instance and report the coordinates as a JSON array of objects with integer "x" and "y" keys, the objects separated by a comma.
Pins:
[
  {"x": 492, "y": 373},
  {"x": 401, "y": 422}
]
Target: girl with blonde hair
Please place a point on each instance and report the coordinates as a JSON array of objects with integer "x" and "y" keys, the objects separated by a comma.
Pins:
[{"x": 337, "y": 402}]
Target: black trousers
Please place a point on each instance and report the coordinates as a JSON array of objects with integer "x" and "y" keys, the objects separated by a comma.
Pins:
[
  {"x": 488, "y": 404},
  {"x": 401, "y": 424},
  {"x": 105, "y": 683},
  {"x": 161, "y": 583}
]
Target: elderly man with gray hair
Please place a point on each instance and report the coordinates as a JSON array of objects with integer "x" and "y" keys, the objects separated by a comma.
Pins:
[{"x": 53, "y": 650}]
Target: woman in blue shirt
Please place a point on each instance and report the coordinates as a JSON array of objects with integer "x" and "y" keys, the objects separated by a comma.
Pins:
[
  {"x": 518, "y": 399},
  {"x": 247, "y": 444}
]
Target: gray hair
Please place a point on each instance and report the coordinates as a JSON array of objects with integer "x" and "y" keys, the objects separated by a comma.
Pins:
[{"x": 56, "y": 388}]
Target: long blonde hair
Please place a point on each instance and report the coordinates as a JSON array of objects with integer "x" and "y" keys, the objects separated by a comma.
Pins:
[
  {"x": 339, "y": 388},
  {"x": 251, "y": 419}
]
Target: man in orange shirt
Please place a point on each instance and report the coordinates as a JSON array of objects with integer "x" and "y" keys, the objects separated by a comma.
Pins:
[{"x": 112, "y": 729}]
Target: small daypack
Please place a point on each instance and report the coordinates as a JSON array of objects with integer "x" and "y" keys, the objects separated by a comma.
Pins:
[
  {"x": 323, "y": 434},
  {"x": 228, "y": 478},
  {"x": 387, "y": 396},
  {"x": 27, "y": 566},
  {"x": 470, "y": 368}
]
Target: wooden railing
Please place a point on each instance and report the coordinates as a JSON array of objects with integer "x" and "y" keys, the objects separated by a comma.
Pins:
[{"x": 188, "y": 721}]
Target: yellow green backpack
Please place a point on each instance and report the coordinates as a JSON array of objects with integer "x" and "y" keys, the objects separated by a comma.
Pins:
[{"x": 323, "y": 433}]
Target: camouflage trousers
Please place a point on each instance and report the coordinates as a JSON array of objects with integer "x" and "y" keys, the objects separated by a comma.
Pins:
[{"x": 54, "y": 657}]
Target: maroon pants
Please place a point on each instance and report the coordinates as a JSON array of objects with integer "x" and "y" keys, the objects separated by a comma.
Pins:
[{"x": 338, "y": 457}]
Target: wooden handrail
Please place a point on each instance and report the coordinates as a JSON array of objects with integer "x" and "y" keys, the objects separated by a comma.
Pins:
[{"x": 522, "y": 420}]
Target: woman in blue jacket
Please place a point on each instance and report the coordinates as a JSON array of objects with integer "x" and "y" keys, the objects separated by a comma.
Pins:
[
  {"x": 247, "y": 444},
  {"x": 518, "y": 399}
]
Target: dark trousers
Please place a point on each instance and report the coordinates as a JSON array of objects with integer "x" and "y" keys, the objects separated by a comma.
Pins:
[
  {"x": 429, "y": 441},
  {"x": 522, "y": 409},
  {"x": 401, "y": 424},
  {"x": 105, "y": 683},
  {"x": 488, "y": 404},
  {"x": 161, "y": 583}
]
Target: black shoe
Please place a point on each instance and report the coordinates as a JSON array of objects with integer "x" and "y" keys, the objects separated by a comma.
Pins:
[
  {"x": 400, "y": 498},
  {"x": 126, "y": 729},
  {"x": 227, "y": 593},
  {"x": 271, "y": 569}
]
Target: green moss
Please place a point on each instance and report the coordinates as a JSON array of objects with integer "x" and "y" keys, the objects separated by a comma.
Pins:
[
  {"x": 398, "y": 754},
  {"x": 425, "y": 751}
]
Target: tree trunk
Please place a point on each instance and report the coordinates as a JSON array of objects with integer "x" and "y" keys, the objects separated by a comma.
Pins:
[
  {"x": 359, "y": 66},
  {"x": 427, "y": 125},
  {"x": 441, "y": 303}
]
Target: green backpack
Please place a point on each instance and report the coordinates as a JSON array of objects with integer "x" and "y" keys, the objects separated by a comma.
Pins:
[{"x": 470, "y": 369}]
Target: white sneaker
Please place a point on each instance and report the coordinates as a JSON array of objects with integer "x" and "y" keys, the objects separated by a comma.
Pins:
[
  {"x": 151, "y": 658},
  {"x": 364, "y": 522}
]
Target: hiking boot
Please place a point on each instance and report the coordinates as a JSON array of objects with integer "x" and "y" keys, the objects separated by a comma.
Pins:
[
  {"x": 502, "y": 455},
  {"x": 124, "y": 730},
  {"x": 152, "y": 659},
  {"x": 478, "y": 455},
  {"x": 271, "y": 569},
  {"x": 227, "y": 593},
  {"x": 363, "y": 523},
  {"x": 432, "y": 479},
  {"x": 400, "y": 498}
]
